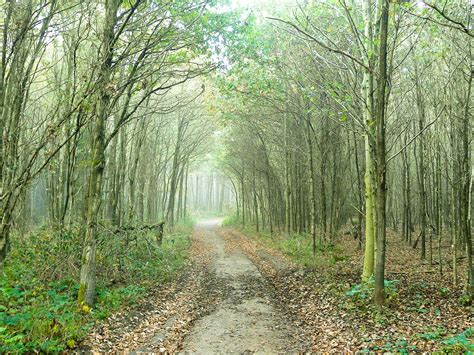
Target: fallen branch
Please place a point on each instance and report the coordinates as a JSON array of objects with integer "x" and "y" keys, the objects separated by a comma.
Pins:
[
  {"x": 159, "y": 227},
  {"x": 137, "y": 228}
]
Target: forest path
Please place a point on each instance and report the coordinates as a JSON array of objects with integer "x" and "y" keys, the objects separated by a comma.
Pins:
[
  {"x": 220, "y": 303},
  {"x": 245, "y": 319}
]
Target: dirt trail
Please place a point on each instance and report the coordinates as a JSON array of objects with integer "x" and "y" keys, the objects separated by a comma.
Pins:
[
  {"x": 221, "y": 303},
  {"x": 237, "y": 295},
  {"x": 245, "y": 321}
]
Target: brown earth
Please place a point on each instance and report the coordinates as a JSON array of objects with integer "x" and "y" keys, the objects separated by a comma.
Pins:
[
  {"x": 221, "y": 304},
  {"x": 239, "y": 295}
]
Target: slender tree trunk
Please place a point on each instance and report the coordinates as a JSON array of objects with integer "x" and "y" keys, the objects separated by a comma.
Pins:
[
  {"x": 288, "y": 219},
  {"x": 86, "y": 293},
  {"x": 421, "y": 166},
  {"x": 312, "y": 192},
  {"x": 466, "y": 186},
  {"x": 369, "y": 257},
  {"x": 360, "y": 189},
  {"x": 379, "y": 292},
  {"x": 368, "y": 89}
]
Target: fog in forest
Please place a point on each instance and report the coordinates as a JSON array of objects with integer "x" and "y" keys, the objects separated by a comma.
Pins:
[{"x": 236, "y": 176}]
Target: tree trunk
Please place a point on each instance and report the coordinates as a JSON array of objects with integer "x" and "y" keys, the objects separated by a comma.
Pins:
[
  {"x": 312, "y": 192},
  {"x": 421, "y": 166},
  {"x": 379, "y": 292},
  {"x": 86, "y": 293}
]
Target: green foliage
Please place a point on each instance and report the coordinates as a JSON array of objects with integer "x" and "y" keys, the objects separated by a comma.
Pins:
[
  {"x": 465, "y": 300},
  {"x": 432, "y": 334},
  {"x": 298, "y": 247},
  {"x": 39, "y": 285},
  {"x": 399, "y": 346},
  {"x": 110, "y": 300},
  {"x": 36, "y": 315},
  {"x": 461, "y": 343},
  {"x": 364, "y": 291},
  {"x": 182, "y": 227},
  {"x": 231, "y": 221},
  {"x": 443, "y": 291}
]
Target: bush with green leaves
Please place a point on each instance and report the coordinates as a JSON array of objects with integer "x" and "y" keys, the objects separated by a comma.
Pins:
[
  {"x": 365, "y": 290},
  {"x": 460, "y": 343},
  {"x": 231, "y": 221},
  {"x": 39, "y": 284},
  {"x": 465, "y": 300},
  {"x": 38, "y": 316},
  {"x": 298, "y": 247}
]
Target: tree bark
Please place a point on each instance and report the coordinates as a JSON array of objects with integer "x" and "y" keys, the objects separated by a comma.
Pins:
[
  {"x": 86, "y": 293},
  {"x": 379, "y": 292}
]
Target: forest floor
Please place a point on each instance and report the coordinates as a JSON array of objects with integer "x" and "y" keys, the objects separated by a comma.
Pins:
[
  {"x": 239, "y": 294},
  {"x": 220, "y": 304}
]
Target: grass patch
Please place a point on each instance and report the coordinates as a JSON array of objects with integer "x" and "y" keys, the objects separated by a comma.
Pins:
[
  {"x": 39, "y": 283},
  {"x": 183, "y": 227},
  {"x": 232, "y": 221}
]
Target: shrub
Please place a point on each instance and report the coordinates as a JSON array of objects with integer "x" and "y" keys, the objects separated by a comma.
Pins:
[
  {"x": 461, "y": 343},
  {"x": 364, "y": 291},
  {"x": 39, "y": 284}
]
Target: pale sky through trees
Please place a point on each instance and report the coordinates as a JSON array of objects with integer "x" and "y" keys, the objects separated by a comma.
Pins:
[{"x": 264, "y": 6}]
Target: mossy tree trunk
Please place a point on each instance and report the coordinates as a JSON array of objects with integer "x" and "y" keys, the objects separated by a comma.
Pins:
[
  {"x": 368, "y": 89},
  {"x": 94, "y": 182},
  {"x": 381, "y": 169}
]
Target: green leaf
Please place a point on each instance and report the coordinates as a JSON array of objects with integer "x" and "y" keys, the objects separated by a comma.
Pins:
[{"x": 14, "y": 339}]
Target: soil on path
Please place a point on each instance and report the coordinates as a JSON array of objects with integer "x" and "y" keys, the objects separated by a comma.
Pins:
[
  {"x": 220, "y": 304},
  {"x": 245, "y": 320}
]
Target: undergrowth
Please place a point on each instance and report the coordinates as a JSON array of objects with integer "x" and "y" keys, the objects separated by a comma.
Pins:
[
  {"x": 39, "y": 283},
  {"x": 298, "y": 247},
  {"x": 331, "y": 269}
]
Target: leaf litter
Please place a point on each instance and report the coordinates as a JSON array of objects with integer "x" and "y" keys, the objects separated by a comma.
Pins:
[{"x": 313, "y": 307}]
